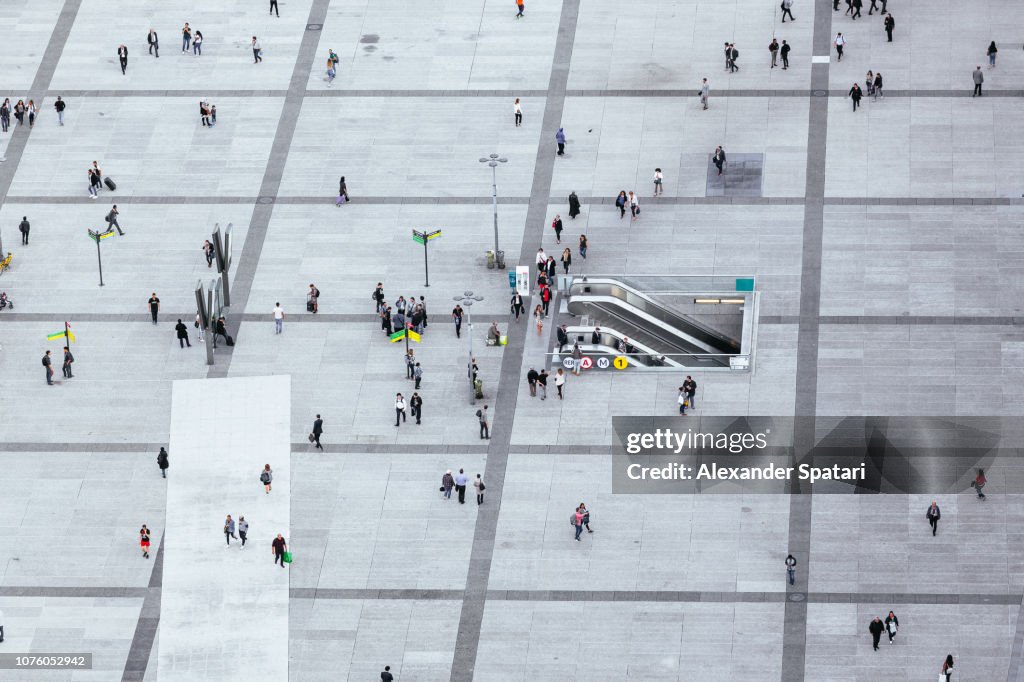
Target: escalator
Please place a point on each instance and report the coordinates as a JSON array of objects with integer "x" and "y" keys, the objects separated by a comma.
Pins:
[{"x": 609, "y": 303}]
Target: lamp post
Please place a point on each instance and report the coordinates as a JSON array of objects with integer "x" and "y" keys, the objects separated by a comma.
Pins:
[
  {"x": 466, "y": 301},
  {"x": 493, "y": 160}
]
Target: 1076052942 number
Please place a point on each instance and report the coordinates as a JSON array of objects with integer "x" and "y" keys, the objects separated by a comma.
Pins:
[{"x": 45, "y": 661}]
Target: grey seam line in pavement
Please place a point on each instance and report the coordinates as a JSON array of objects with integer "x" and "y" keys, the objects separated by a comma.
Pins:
[
  {"x": 471, "y": 617},
  {"x": 586, "y": 92},
  {"x": 259, "y": 223},
  {"x": 1015, "y": 672},
  {"x": 44, "y": 74},
  {"x": 305, "y": 447},
  {"x": 149, "y": 620},
  {"x": 589, "y": 200},
  {"x": 794, "y": 638}
]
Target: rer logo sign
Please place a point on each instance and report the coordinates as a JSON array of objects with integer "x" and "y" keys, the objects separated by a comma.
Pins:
[{"x": 568, "y": 363}]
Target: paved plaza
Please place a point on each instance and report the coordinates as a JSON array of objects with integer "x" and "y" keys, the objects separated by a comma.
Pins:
[{"x": 888, "y": 259}]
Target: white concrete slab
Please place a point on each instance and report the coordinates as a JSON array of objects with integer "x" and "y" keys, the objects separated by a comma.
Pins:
[{"x": 225, "y": 609}]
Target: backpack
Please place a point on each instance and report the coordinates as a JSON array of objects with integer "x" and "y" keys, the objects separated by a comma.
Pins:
[
  {"x": 265, "y": 477},
  {"x": 479, "y": 413},
  {"x": 44, "y": 365}
]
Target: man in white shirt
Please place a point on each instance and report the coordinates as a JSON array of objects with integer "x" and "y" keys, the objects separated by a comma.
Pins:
[{"x": 278, "y": 318}]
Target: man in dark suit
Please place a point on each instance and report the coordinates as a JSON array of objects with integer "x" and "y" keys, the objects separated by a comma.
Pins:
[
  {"x": 122, "y": 56},
  {"x": 318, "y": 428}
]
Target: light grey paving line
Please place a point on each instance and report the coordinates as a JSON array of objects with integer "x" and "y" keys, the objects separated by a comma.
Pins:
[
  {"x": 533, "y": 94},
  {"x": 303, "y": 447},
  {"x": 794, "y": 638},
  {"x": 40, "y": 83},
  {"x": 149, "y": 620},
  {"x": 589, "y": 200},
  {"x": 256, "y": 235},
  {"x": 1015, "y": 673},
  {"x": 485, "y": 530}
]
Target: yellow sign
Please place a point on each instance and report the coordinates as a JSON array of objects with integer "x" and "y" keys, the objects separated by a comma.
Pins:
[
  {"x": 620, "y": 362},
  {"x": 413, "y": 335}
]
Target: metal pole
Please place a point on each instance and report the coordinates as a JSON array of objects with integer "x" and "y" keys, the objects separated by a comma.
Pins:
[
  {"x": 99, "y": 259},
  {"x": 494, "y": 203},
  {"x": 426, "y": 267}
]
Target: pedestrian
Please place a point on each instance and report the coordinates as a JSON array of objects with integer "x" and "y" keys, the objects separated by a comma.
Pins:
[
  {"x": 873, "y": 7},
  {"x": 386, "y": 676},
  {"x": 331, "y": 73},
  {"x": 154, "y": 43},
  {"x": 31, "y": 113},
  {"x": 583, "y": 246},
  {"x": 457, "y": 318},
  {"x": 399, "y": 409},
  {"x": 892, "y": 625},
  {"x": 875, "y": 628},
  {"x": 144, "y": 540},
  {"x": 856, "y": 5},
  {"x": 577, "y": 358},
  {"x": 517, "y": 110},
  {"x": 787, "y": 8},
  {"x": 59, "y": 106},
  {"x": 933, "y": 515},
  {"x": 68, "y": 359},
  {"x": 839, "y": 42},
  {"x": 318, "y": 430},
  {"x": 516, "y": 306},
  {"x": 574, "y": 203},
  {"x": 784, "y": 53},
  {"x": 19, "y": 112},
  {"x": 542, "y": 384},
  {"x": 566, "y": 259},
  {"x": 208, "y": 252},
  {"x": 204, "y": 113},
  {"x": 947, "y": 667},
  {"x": 273, "y": 8},
  {"x": 343, "y": 192},
  {"x": 560, "y": 139},
  {"x": 447, "y": 483},
  {"x": 229, "y": 530},
  {"x": 538, "y": 314},
  {"x": 734, "y": 54},
  {"x": 198, "y": 327},
  {"x": 267, "y": 478},
  {"x": 1, "y": 626},
  {"x": 556, "y": 225},
  {"x": 478, "y": 484},
  {"x": 658, "y": 178},
  {"x": 522, "y": 7},
  {"x": 577, "y": 521},
  {"x": 634, "y": 206},
  {"x": 531, "y": 381},
  {"x": 154, "y": 306},
  {"x": 243, "y": 530},
  {"x": 423, "y": 308},
  {"x": 5, "y": 115},
  {"x": 122, "y": 56},
  {"x": 278, "y": 547},
  {"x": 112, "y": 220},
  {"x": 690, "y": 386},
  {"x": 182, "y": 334},
  {"x": 890, "y": 24},
  {"x": 620, "y": 203},
  {"x": 705, "y": 90},
  {"x": 257, "y": 51},
  {"x": 877, "y": 88},
  {"x": 460, "y": 485},
  {"x": 163, "y": 462},
  {"x": 278, "y": 318},
  {"x": 481, "y": 414},
  {"x": 979, "y": 483},
  {"x": 855, "y": 94},
  {"x": 791, "y": 569},
  {"x": 728, "y": 57},
  {"x": 48, "y": 364},
  {"x": 683, "y": 401},
  {"x": 979, "y": 78},
  {"x": 586, "y": 516},
  {"x": 197, "y": 44},
  {"x": 416, "y": 406},
  {"x": 378, "y": 297},
  {"x": 773, "y": 48},
  {"x": 417, "y": 374},
  {"x": 410, "y": 363},
  {"x": 94, "y": 184},
  {"x": 24, "y": 228},
  {"x": 991, "y": 52},
  {"x": 869, "y": 83},
  {"x": 560, "y": 382},
  {"x": 313, "y": 299},
  {"x": 719, "y": 159}
]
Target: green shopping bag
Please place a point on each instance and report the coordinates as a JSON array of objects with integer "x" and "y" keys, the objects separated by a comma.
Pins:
[{"x": 287, "y": 557}]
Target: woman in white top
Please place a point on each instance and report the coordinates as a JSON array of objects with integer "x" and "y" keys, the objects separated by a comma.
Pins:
[
  {"x": 559, "y": 382},
  {"x": 657, "y": 182},
  {"x": 634, "y": 205},
  {"x": 519, "y": 113}
]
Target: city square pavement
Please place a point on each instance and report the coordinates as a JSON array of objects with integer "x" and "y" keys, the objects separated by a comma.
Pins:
[{"x": 884, "y": 244}]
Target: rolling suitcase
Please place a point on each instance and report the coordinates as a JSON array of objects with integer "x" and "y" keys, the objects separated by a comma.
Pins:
[{"x": 111, "y": 185}]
